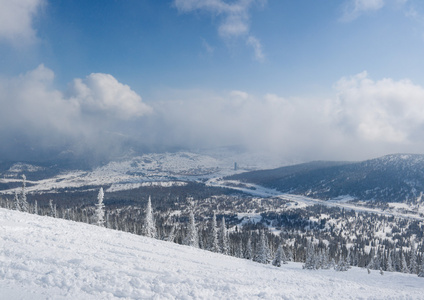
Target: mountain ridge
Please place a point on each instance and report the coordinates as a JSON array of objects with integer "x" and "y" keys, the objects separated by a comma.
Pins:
[{"x": 390, "y": 178}]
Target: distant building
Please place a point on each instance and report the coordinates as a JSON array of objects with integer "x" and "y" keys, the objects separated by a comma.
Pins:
[{"x": 235, "y": 166}]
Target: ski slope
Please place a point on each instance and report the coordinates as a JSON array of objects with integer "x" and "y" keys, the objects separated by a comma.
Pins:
[{"x": 46, "y": 258}]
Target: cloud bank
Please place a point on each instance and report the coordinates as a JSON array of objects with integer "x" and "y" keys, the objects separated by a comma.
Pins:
[
  {"x": 37, "y": 117},
  {"x": 99, "y": 115}
]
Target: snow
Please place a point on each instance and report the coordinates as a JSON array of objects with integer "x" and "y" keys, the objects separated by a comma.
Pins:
[
  {"x": 47, "y": 258},
  {"x": 300, "y": 201},
  {"x": 132, "y": 172}
]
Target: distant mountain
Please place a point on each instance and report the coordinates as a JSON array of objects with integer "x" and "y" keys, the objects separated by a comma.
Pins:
[{"x": 391, "y": 178}]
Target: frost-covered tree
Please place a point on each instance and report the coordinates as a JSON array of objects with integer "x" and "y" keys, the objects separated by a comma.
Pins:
[
  {"x": 100, "y": 209},
  {"x": 413, "y": 264},
  {"x": 149, "y": 227},
  {"x": 238, "y": 252},
  {"x": 389, "y": 263},
  {"x": 342, "y": 265},
  {"x": 261, "y": 255},
  {"x": 213, "y": 239},
  {"x": 192, "y": 238},
  {"x": 53, "y": 211},
  {"x": 24, "y": 202},
  {"x": 249, "y": 252},
  {"x": 421, "y": 272},
  {"x": 404, "y": 265},
  {"x": 35, "y": 207},
  {"x": 223, "y": 238},
  {"x": 17, "y": 204},
  {"x": 278, "y": 258},
  {"x": 310, "y": 257}
]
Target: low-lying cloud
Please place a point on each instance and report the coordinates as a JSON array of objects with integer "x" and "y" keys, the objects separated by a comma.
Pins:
[
  {"x": 37, "y": 116},
  {"x": 99, "y": 115}
]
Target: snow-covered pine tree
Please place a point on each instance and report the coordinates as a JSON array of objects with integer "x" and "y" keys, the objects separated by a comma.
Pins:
[
  {"x": 405, "y": 268},
  {"x": 223, "y": 238},
  {"x": 149, "y": 226},
  {"x": 421, "y": 272},
  {"x": 261, "y": 255},
  {"x": 283, "y": 256},
  {"x": 35, "y": 208},
  {"x": 192, "y": 238},
  {"x": 342, "y": 265},
  {"x": 278, "y": 258},
  {"x": 53, "y": 212},
  {"x": 213, "y": 239},
  {"x": 389, "y": 266},
  {"x": 100, "y": 209},
  {"x": 325, "y": 259},
  {"x": 310, "y": 257},
  {"x": 371, "y": 264},
  {"x": 171, "y": 234},
  {"x": 413, "y": 264},
  {"x": 16, "y": 202},
  {"x": 24, "y": 202},
  {"x": 249, "y": 252},
  {"x": 239, "y": 249}
]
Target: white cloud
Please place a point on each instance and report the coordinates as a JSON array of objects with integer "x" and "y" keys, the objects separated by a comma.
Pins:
[
  {"x": 34, "y": 115},
  {"x": 16, "y": 18},
  {"x": 103, "y": 93},
  {"x": 364, "y": 119},
  {"x": 235, "y": 18},
  {"x": 384, "y": 110},
  {"x": 28, "y": 101},
  {"x": 257, "y": 47},
  {"x": 354, "y": 8}
]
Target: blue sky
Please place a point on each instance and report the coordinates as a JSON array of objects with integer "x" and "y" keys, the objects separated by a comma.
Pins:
[{"x": 303, "y": 79}]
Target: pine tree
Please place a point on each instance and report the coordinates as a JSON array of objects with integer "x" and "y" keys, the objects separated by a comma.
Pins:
[
  {"x": 17, "y": 202},
  {"x": 278, "y": 258},
  {"x": 239, "y": 249},
  {"x": 261, "y": 255},
  {"x": 149, "y": 227},
  {"x": 24, "y": 203},
  {"x": 53, "y": 212},
  {"x": 389, "y": 267},
  {"x": 192, "y": 238},
  {"x": 342, "y": 265},
  {"x": 421, "y": 273},
  {"x": 35, "y": 207},
  {"x": 405, "y": 268},
  {"x": 213, "y": 239},
  {"x": 310, "y": 257},
  {"x": 249, "y": 251},
  {"x": 100, "y": 209},
  {"x": 413, "y": 265},
  {"x": 223, "y": 238}
]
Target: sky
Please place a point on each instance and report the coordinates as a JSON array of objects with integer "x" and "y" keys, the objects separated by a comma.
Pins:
[{"x": 301, "y": 80}]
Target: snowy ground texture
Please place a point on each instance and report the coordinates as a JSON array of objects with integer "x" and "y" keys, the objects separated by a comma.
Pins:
[{"x": 46, "y": 258}]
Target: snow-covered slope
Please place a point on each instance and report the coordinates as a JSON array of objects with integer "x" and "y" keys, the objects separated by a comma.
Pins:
[
  {"x": 46, "y": 258},
  {"x": 132, "y": 172},
  {"x": 391, "y": 178}
]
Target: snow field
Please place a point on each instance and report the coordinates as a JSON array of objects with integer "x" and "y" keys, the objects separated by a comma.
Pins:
[{"x": 46, "y": 258}]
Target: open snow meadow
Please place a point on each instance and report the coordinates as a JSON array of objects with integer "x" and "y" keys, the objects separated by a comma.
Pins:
[{"x": 47, "y": 258}]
